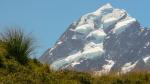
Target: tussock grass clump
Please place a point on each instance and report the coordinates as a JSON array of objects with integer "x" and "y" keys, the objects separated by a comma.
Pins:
[{"x": 17, "y": 44}]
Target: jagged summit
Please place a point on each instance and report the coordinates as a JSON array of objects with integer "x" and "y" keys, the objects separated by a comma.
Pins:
[
  {"x": 108, "y": 5},
  {"x": 105, "y": 7},
  {"x": 106, "y": 40}
]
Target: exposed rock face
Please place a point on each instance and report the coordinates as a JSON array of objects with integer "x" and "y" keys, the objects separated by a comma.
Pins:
[{"x": 108, "y": 39}]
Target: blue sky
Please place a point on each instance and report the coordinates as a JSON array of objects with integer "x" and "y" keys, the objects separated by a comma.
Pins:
[{"x": 48, "y": 19}]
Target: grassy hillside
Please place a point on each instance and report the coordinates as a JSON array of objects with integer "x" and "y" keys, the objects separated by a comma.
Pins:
[
  {"x": 12, "y": 72},
  {"x": 17, "y": 68}
]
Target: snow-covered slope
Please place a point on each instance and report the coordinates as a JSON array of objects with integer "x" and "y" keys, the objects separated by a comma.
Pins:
[{"x": 106, "y": 40}]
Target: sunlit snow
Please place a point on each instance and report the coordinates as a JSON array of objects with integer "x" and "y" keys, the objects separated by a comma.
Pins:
[
  {"x": 99, "y": 35},
  {"x": 128, "y": 67},
  {"x": 106, "y": 67},
  {"x": 111, "y": 18},
  {"x": 90, "y": 53},
  {"x": 84, "y": 29},
  {"x": 122, "y": 25},
  {"x": 146, "y": 59}
]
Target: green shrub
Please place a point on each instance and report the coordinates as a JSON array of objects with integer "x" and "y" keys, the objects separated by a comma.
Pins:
[{"x": 17, "y": 44}]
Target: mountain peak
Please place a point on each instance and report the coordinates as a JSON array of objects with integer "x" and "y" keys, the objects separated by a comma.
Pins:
[
  {"x": 106, "y": 6},
  {"x": 104, "y": 40}
]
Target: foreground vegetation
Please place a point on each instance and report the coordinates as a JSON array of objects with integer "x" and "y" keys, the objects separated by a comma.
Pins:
[
  {"x": 35, "y": 73},
  {"x": 17, "y": 68}
]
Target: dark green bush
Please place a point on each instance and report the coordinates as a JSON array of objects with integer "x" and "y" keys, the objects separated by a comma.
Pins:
[{"x": 17, "y": 44}]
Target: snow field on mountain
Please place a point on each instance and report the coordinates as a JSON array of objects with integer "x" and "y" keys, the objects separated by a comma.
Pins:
[{"x": 128, "y": 67}]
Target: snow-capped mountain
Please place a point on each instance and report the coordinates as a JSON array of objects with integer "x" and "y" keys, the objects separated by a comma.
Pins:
[{"x": 106, "y": 40}]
